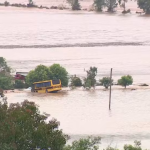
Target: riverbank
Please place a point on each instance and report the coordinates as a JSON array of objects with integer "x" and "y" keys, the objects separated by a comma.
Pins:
[{"x": 87, "y": 6}]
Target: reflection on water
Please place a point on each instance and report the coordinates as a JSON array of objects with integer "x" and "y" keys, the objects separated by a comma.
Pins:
[{"x": 86, "y": 113}]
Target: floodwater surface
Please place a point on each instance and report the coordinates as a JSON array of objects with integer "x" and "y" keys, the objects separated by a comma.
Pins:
[{"x": 78, "y": 40}]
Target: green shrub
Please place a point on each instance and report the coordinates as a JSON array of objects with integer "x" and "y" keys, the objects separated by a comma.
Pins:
[
  {"x": 90, "y": 80},
  {"x": 75, "y": 5},
  {"x": 89, "y": 143},
  {"x": 6, "y": 83},
  {"x": 125, "y": 80},
  {"x": 76, "y": 81},
  {"x": 19, "y": 84},
  {"x": 105, "y": 81},
  {"x": 145, "y": 5}
]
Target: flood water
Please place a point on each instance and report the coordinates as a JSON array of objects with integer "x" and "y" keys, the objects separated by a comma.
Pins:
[{"x": 78, "y": 40}]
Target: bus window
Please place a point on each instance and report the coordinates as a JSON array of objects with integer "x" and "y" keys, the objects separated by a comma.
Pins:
[
  {"x": 56, "y": 81},
  {"x": 38, "y": 85},
  {"x": 47, "y": 84}
]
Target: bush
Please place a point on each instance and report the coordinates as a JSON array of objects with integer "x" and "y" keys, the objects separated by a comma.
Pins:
[
  {"x": 90, "y": 80},
  {"x": 105, "y": 81},
  {"x": 4, "y": 68},
  {"x": 145, "y": 5},
  {"x": 41, "y": 73},
  {"x": 137, "y": 146},
  {"x": 6, "y": 83},
  {"x": 74, "y": 4},
  {"x": 125, "y": 80},
  {"x": 6, "y": 3},
  {"x": 111, "y": 5},
  {"x": 85, "y": 144},
  {"x": 99, "y": 5},
  {"x": 22, "y": 127},
  {"x": 76, "y": 81},
  {"x": 19, "y": 84}
]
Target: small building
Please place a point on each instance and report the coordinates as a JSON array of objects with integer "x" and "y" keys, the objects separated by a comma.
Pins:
[{"x": 21, "y": 75}]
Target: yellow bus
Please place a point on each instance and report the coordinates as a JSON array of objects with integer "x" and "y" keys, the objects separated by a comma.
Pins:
[{"x": 46, "y": 86}]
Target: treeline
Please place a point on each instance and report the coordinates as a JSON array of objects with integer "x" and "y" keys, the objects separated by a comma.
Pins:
[
  {"x": 23, "y": 127},
  {"x": 98, "y": 5},
  {"x": 56, "y": 71}
]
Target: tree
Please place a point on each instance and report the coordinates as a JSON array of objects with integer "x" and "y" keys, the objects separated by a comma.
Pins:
[
  {"x": 99, "y": 5},
  {"x": 145, "y": 5},
  {"x": 6, "y": 3},
  {"x": 19, "y": 84},
  {"x": 59, "y": 72},
  {"x": 22, "y": 127},
  {"x": 125, "y": 80},
  {"x": 89, "y": 143},
  {"x": 6, "y": 83},
  {"x": 105, "y": 81},
  {"x": 75, "y": 5},
  {"x": 75, "y": 81},
  {"x": 137, "y": 146},
  {"x": 6, "y": 80},
  {"x": 4, "y": 68},
  {"x": 111, "y": 5},
  {"x": 41, "y": 73},
  {"x": 90, "y": 80}
]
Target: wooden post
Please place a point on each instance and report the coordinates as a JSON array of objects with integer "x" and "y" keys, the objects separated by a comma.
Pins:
[{"x": 110, "y": 90}]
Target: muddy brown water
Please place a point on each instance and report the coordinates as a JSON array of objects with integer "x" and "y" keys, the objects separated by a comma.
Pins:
[{"x": 77, "y": 41}]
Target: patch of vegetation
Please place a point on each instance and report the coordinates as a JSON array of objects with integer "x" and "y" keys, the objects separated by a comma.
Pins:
[
  {"x": 75, "y": 81},
  {"x": 75, "y": 5},
  {"x": 90, "y": 80},
  {"x": 19, "y": 84},
  {"x": 105, "y": 81},
  {"x": 145, "y": 5},
  {"x": 42, "y": 73},
  {"x": 125, "y": 80},
  {"x": 22, "y": 127}
]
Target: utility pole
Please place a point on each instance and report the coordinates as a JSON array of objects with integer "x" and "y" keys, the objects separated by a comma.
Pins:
[{"x": 110, "y": 90}]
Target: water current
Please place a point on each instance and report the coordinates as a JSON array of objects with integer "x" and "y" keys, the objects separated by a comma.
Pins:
[{"x": 78, "y": 40}]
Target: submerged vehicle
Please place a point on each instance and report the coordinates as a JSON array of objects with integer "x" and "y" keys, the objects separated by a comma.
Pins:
[{"x": 46, "y": 86}]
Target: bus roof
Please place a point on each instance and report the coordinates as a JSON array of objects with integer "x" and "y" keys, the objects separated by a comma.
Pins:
[{"x": 44, "y": 81}]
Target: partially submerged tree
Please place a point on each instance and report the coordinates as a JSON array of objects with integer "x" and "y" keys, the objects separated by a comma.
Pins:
[
  {"x": 145, "y": 5},
  {"x": 22, "y": 127},
  {"x": 6, "y": 80},
  {"x": 111, "y": 5},
  {"x": 4, "y": 68},
  {"x": 90, "y": 80},
  {"x": 75, "y": 81},
  {"x": 99, "y": 5},
  {"x": 6, "y": 3},
  {"x": 59, "y": 72},
  {"x": 125, "y": 80},
  {"x": 75, "y": 5},
  {"x": 41, "y": 73},
  {"x": 122, "y": 3},
  {"x": 19, "y": 84},
  {"x": 105, "y": 81}
]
